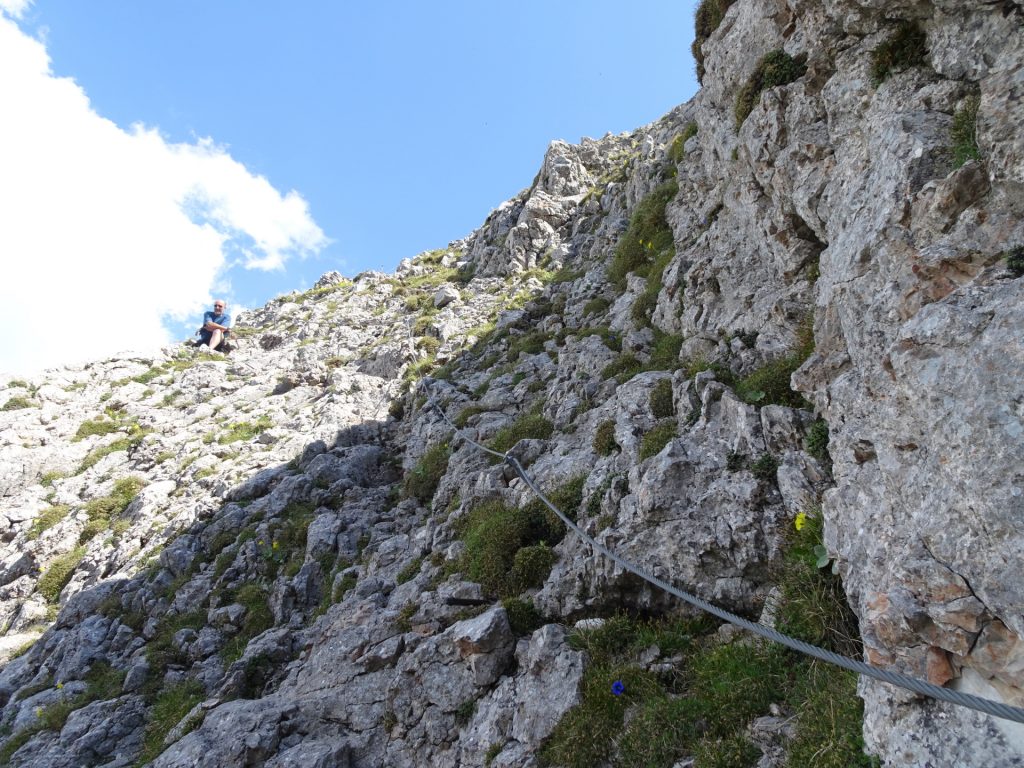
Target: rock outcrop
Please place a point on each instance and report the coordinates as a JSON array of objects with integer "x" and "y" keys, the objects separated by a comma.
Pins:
[{"x": 795, "y": 298}]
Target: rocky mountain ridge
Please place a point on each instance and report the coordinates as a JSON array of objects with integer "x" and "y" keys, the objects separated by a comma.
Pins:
[{"x": 287, "y": 557}]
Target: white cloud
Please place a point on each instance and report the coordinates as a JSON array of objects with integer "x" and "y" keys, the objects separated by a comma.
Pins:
[
  {"x": 105, "y": 231},
  {"x": 15, "y": 8}
]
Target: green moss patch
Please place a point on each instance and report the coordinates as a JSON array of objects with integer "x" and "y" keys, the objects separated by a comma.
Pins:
[
  {"x": 604, "y": 438},
  {"x": 58, "y": 573},
  {"x": 245, "y": 430},
  {"x": 775, "y": 68},
  {"x": 660, "y": 400},
  {"x": 508, "y": 549},
  {"x": 421, "y": 481},
  {"x": 48, "y": 518},
  {"x": 657, "y": 438},
  {"x": 530, "y": 426},
  {"x": 906, "y": 48},
  {"x": 97, "y": 426},
  {"x": 18, "y": 403}
]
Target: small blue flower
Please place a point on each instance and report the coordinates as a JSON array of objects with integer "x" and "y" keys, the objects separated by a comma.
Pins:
[{"x": 618, "y": 688}]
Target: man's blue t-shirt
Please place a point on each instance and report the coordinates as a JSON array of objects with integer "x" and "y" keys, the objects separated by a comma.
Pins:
[{"x": 209, "y": 317}]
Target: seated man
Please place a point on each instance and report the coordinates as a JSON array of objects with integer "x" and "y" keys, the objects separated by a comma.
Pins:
[{"x": 215, "y": 326}]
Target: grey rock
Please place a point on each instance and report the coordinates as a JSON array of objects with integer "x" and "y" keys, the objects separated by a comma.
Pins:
[
  {"x": 313, "y": 754},
  {"x": 445, "y": 295},
  {"x": 835, "y": 198}
]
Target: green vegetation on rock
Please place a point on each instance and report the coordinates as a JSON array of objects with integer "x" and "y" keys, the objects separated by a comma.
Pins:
[
  {"x": 523, "y": 615},
  {"x": 657, "y": 438},
  {"x": 709, "y": 15},
  {"x": 103, "y": 683},
  {"x": 48, "y": 518},
  {"x": 662, "y": 406},
  {"x": 604, "y": 438},
  {"x": 97, "y": 426},
  {"x": 17, "y": 403},
  {"x": 816, "y": 442},
  {"x": 775, "y": 68},
  {"x": 1015, "y": 260},
  {"x": 664, "y": 357},
  {"x": 906, "y": 48},
  {"x": 701, "y": 705},
  {"x": 508, "y": 549},
  {"x": 964, "y": 132},
  {"x": 103, "y": 510},
  {"x": 58, "y": 573},
  {"x": 647, "y": 237},
  {"x": 421, "y": 481},
  {"x": 529, "y": 426},
  {"x": 258, "y": 618},
  {"x": 171, "y": 704},
  {"x": 245, "y": 430}
]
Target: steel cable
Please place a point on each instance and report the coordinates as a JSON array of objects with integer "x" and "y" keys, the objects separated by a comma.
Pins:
[{"x": 922, "y": 687}]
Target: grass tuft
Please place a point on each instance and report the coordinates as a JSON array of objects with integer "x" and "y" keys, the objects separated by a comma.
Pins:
[
  {"x": 170, "y": 706},
  {"x": 97, "y": 426},
  {"x": 647, "y": 237},
  {"x": 258, "y": 618},
  {"x": 48, "y": 518},
  {"x": 906, "y": 48},
  {"x": 708, "y": 16},
  {"x": 58, "y": 573},
  {"x": 1015, "y": 260},
  {"x": 245, "y": 430},
  {"x": 661, "y": 403},
  {"x": 523, "y": 615},
  {"x": 657, "y": 438},
  {"x": 17, "y": 403},
  {"x": 816, "y": 442},
  {"x": 528, "y": 426},
  {"x": 775, "y": 68},
  {"x": 421, "y": 481},
  {"x": 965, "y": 131},
  {"x": 508, "y": 549},
  {"x": 604, "y": 438}
]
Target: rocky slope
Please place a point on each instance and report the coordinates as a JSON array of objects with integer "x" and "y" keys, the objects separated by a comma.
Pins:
[{"x": 287, "y": 557}]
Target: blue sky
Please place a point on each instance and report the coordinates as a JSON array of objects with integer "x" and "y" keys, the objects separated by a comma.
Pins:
[{"x": 399, "y": 126}]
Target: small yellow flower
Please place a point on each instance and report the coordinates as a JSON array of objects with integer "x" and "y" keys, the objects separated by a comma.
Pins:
[
  {"x": 261, "y": 542},
  {"x": 59, "y": 686},
  {"x": 275, "y": 545},
  {"x": 801, "y": 521}
]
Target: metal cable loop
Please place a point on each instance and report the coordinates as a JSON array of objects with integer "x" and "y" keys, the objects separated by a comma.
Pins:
[{"x": 922, "y": 687}]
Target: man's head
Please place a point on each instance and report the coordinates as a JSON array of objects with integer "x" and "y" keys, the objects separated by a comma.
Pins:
[{"x": 219, "y": 305}]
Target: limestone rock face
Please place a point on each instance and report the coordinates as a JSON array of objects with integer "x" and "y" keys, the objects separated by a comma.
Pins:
[{"x": 274, "y": 551}]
